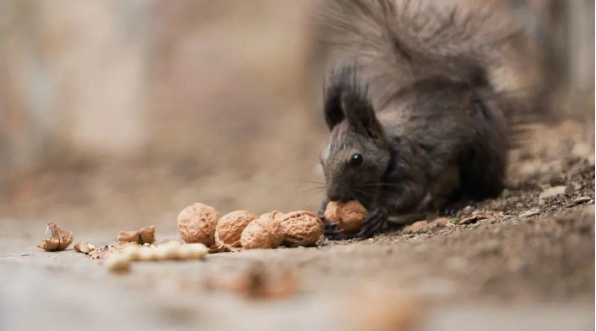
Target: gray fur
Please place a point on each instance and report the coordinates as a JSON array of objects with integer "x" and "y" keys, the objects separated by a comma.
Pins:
[{"x": 410, "y": 92}]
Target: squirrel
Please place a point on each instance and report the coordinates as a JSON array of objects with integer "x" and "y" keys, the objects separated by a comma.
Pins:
[{"x": 415, "y": 118}]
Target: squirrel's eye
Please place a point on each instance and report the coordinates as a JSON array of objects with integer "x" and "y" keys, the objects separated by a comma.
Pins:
[{"x": 356, "y": 160}]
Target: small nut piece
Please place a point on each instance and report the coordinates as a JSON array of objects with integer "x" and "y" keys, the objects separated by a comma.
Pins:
[
  {"x": 59, "y": 240},
  {"x": 118, "y": 262},
  {"x": 301, "y": 228},
  {"x": 192, "y": 251},
  {"x": 145, "y": 235},
  {"x": 167, "y": 251},
  {"x": 264, "y": 232},
  {"x": 85, "y": 247},
  {"x": 196, "y": 224},
  {"x": 131, "y": 252},
  {"x": 147, "y": 253},
  {"x": 129, "y": 236},
  {"x": 349, "y": 216},
  {"x": 229, "y": 227}
]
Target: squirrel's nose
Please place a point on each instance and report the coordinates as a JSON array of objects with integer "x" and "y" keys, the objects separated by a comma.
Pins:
[
  {"x": 334, "y": 193},
  {"x": 333, "y": 196}
]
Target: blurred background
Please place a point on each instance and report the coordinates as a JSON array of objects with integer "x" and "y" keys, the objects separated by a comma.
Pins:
[{"x": 121, "y": 113}]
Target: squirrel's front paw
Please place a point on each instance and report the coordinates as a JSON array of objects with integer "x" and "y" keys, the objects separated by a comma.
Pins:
[
  {"x": 374, "y": 222},
  {"x": 321, "y": 212},
  {"x": 332, "y": 232}
]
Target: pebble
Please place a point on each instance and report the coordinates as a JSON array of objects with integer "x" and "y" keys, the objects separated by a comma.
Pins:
[
  {"x": 552, "y": 192},
  {"x": 581, "y": 200},
  {"x": 576, "y": 186},
  {"x": 471, "y": 219},
  {"x": 415, "y": 227},
  {"x": 441, "y": 222},
  {"x": 467, "y": 211},
  {"x": 530, "y": 213}
]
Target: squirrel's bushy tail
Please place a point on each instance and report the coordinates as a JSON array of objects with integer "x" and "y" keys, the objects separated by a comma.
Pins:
[{"x": 397, "y": 43}]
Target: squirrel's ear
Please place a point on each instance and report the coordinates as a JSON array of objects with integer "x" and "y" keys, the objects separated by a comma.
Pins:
[
  {"x": 332, "y": 108},
  {"x": 361, "y": 115}
]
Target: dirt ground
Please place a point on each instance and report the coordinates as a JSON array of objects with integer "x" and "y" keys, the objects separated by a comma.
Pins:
[{"x": 525, "y": 262}]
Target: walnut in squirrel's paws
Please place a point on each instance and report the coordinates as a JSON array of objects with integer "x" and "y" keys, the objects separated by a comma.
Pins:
[{"x": 349, "y": 216}]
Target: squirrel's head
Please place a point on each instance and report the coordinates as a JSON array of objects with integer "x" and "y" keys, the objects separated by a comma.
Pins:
[{"x": 357, "y": 155}]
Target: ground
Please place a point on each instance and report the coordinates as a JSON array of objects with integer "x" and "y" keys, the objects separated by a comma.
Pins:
[{"x": 525, "y": 261}]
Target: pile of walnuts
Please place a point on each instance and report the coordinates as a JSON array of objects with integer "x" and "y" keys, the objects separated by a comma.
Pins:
[{"x": 200, "y": 223}]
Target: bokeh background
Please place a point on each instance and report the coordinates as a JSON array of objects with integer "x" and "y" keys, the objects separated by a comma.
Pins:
[{"x": 115, "y": 114}]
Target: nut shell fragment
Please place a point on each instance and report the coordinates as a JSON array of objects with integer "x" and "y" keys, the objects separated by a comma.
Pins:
[
  {"x": 129, "y": 236},
  {"x": 230, "y": 226},
  {"x": 301, "y": 228},
  {"x": 147, "y": 253},
  {"x": 59, "y": 240},
  {"x": 147, "y": 234},
  {"x": 196, "y": 224},
  {"x": 192, "y": 251},
  {"x": 118, "y": 262},
  {"x": 84, "y": 247}
]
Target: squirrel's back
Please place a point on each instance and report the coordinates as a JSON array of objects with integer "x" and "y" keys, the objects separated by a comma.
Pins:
[{"x": 396, "y": 43}]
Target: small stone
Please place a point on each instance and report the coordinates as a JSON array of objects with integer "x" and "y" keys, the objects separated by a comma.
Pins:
[
  {"x": 505, "y": 193},
  {"x": 552, "y": 192},
  {"x": 415, "y": 227},
  {"x": 475, "y": 212},
  {"x": 467, "y": 211},
  {"x": 472, "y": 219},
  {"x": 581, "y": 150},
  {"x": 576, "y": 186},
  {"x": 441, "y": 222},
  {"x": 581, "y": 200},
  {"x": 530, "y": 213}
]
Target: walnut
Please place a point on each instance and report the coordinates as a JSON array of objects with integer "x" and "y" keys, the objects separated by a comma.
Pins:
[
  {"x": 196, "y": 224},
  {"x": 274, "y": 214},
  {"x": 301, "y": 228},
  {"x": 264, "y": 232},
  {"x": 230, "y": 226},
  {"x": 59, "y": 240},
  {"x": 348, "y": 215}
]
